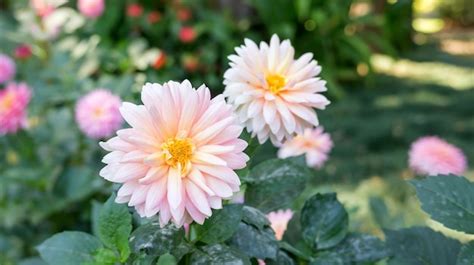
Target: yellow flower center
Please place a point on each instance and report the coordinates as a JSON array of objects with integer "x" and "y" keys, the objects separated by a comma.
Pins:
[
  {"x": 178, "y": 153},
  {"x": 6, "y": 102},
  {"x": 98, "y": 112},
  {"x": 275, "y": 82}
]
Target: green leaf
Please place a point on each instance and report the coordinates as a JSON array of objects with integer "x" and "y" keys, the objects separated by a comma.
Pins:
[
  {"x": 69, "y": 248},
  {"x": 155, "y": 240},
  {"x": 355, "y": 249},
  {"x": 275, "y": 184},
  {"x": 254, "y": 217},
  {"x": 466, "y": 256},
  {"x": 114, "y": 227},
  {"x": 221, "y": 225},
  {"x": 449, "y": 200},
  {"x": 324, "y": 221},
  {"x": 281, "y": 259},
  {"x": 421, "y": 245},
  {"x": 254, "y": 242},
  {"x": 218, "y": 255},
  {"x": 105, "y": 256},
  {"x": 167, "y": 259}
]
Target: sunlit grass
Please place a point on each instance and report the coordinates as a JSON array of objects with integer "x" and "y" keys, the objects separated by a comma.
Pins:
[{"x": 456, "y": 77}]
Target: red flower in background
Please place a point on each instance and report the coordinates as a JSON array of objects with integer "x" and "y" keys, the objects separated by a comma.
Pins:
[
  {"x": 187, "y": 34},
  {"x": 190, "y": 63},
  {"x": 23, "y": 51},
  {"x": 184, "y": 14},
  {"x": 154, "y": 17},
  {"x": 160, "y": 61},
  {"x": 134, "y": 10}
]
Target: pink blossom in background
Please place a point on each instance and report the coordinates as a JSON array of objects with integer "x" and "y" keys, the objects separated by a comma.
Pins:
[
  {"x": 23, "y": 51},
  {"x": 274, "y": 94},
  {"x": 14, "y": 99},
  {"x": 154, "y": 17},
  {"x": 98, "y": 115},
  {"x": 42, "y": 8},
  {"x": 179, "y": 156},
  {"x": 134, "y": 10},
  {"x": 279, "y": 221},
  {"x": 432, "y": 155},
  {"x": 7, "y": 68},
  {"x": 91, "y": 8},
  {"x": 315, "y": 143},
  {"x": 187, "y": 34}
]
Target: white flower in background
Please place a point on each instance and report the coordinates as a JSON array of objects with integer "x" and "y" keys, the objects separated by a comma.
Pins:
[{"x": 272, "y": 93}]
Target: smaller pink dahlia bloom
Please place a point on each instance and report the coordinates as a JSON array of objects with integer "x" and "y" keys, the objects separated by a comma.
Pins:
[
  {"x": 98, "y": 115},
  {"x": 432, "y": 155},
  {"x": 279, "y": 221},
  {"x": 7, "y": 68},
  {"x": 91, "y": 8},
  {"x": 14, "y": 100},
  {"x": 315, "y": 143}
]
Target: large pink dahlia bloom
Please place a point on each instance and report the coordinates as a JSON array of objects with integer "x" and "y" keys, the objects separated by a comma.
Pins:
[
  {"x": 432, "y": 155},
  {"x": 14, "y": 101},
  {"x": 7, "y": 68},
  {"x": 178, "y": 158},
  {"x": 98, "y": 115},
  {"x": 279, "y": 221},
  {"x": 272, "y": 93},
  {"x": 315, "y": 143}
]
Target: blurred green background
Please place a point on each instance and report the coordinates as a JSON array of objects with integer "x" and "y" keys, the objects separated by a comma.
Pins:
[{"x": 396, "y": 70}]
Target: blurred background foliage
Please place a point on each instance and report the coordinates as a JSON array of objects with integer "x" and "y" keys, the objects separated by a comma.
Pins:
[{"x": 396, "y": 70}]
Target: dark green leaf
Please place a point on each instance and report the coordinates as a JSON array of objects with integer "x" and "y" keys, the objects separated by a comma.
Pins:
[
  {"x": 69, "y": 248},
  {"x": 167, "y": 259},
  {"x": 355, "y": 249},
  {"x": 218, "y": 255},
  {"x": 254, "y": 242},
  {"x": 275, "y": 184},
  {"x": 449, "y": 200},
  {"x": 156, "y": 241},
  {"x": 282, "y": 259},
  {"x": 254, "y": 217},
  {"x": 466, "y": 256},
  {"x": 114, "y": 227},
  {"x": 324, "y": 221},
  {"x": 421, "y": 245},
  {"x": 221, "y": 225}
]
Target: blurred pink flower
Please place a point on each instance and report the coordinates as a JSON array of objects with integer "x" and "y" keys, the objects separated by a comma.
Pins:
[
  {"x": 315, "y": 143},
  {"x": 42, "y": 8},
  {"x": 279, "y": 221},
  {"x": 14, "y": 101},
  {"x": 261, "y": 262},
  {"x": 134, "y": 10},
  {"x": 184, "y": 14},
  {"x": 23, "y": 51},
  {"x": 273, "y": 94},
  {"x": 160, "y": 61},
  {"x": 432, "y": 155},
  {"x": 7, "y": 68},
  {"x": 98, "y": 115},
  {"x": 91, "y": 8},
  {"x": 154, "y": 17},
  {"x": 187, "y": 34},
  {"x": 179, "y": 156}
]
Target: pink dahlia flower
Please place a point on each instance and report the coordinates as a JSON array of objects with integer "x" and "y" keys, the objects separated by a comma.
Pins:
[
  {"x": 7, "y": 68},
  {"x": 98, "y": 115},
  {"x": 279, "y": 221},
  {"x": 23, "y": 51},
  {"x": 179, "y": 156},
  {"x": 14, "y": 101},
  {"x": 272, "y": 93},
  {"x": 315, "y": 143},
  {"x": 432, "y": 155},
  {"x": 91, "y": 8}
]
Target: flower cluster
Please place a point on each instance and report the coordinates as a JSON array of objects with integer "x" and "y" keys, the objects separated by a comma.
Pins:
[{"x": 14, "y": 100}]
